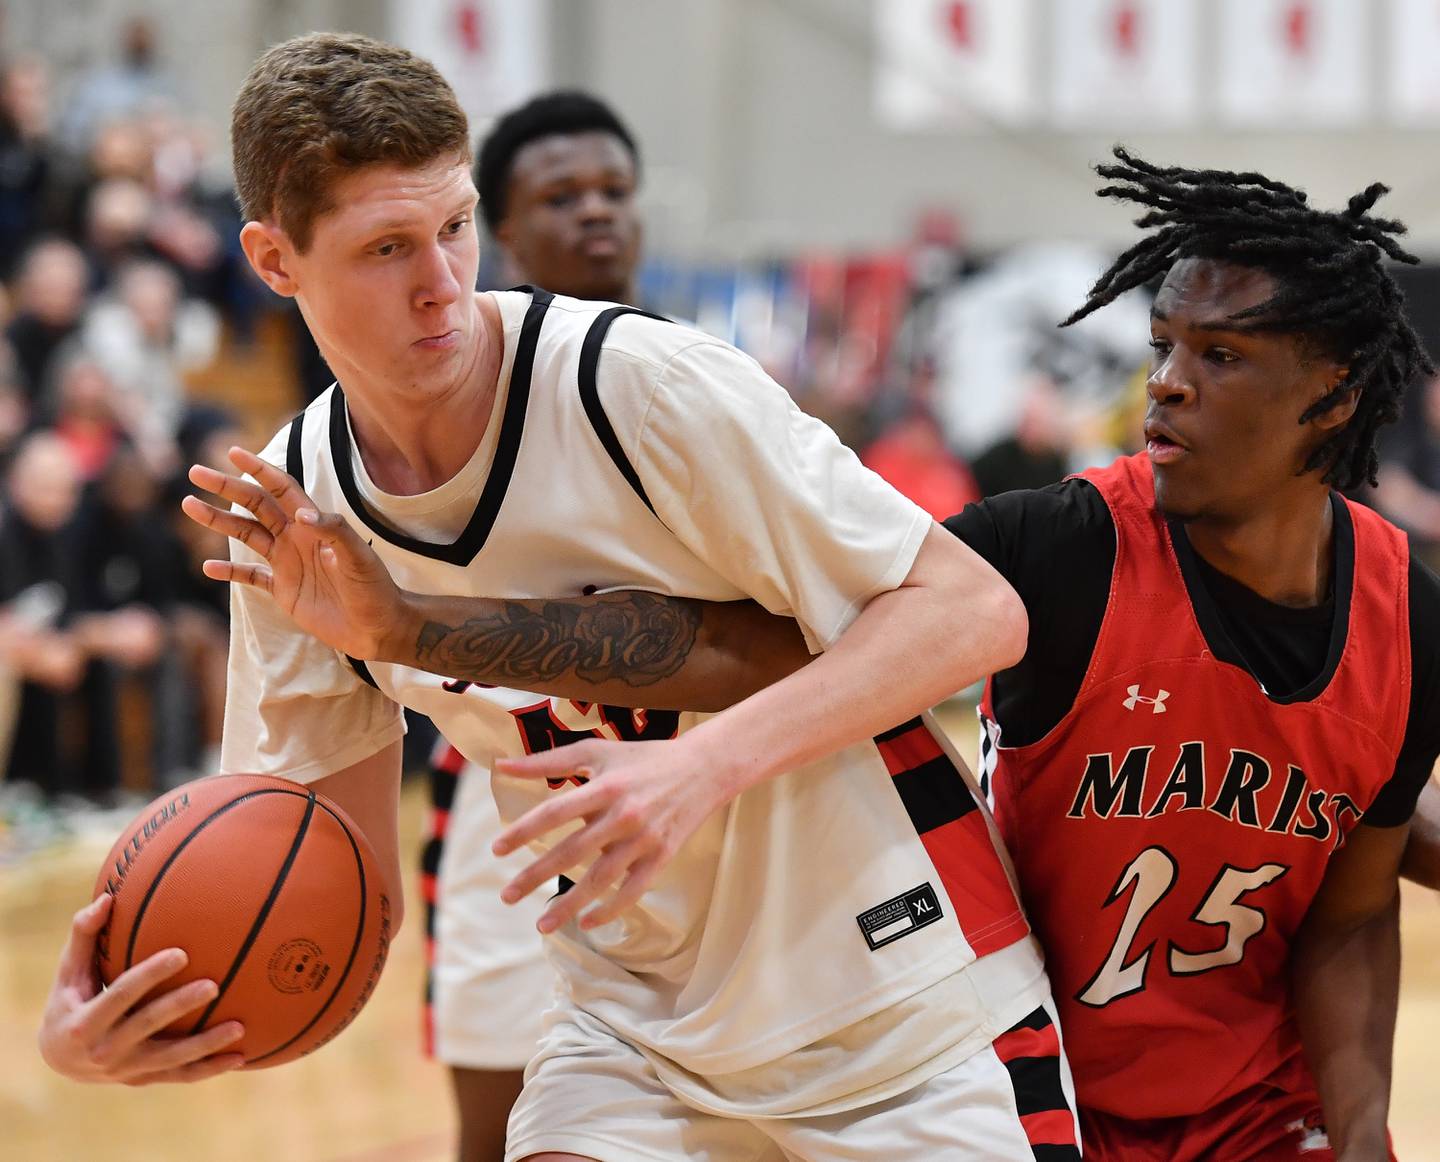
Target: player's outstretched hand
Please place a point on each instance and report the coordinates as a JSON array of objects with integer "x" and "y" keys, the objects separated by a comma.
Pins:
[
  {"x": 638, "y": 804},
  {"x": 316, "y": 567},
  {"x": 94, "y": 1035}
]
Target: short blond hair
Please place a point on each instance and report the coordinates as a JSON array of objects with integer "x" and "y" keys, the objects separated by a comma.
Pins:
[{"x": 323, "y": 105}]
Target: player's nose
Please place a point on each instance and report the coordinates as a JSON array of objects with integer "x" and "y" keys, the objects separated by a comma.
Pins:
[{"x": 437, "y": 285}]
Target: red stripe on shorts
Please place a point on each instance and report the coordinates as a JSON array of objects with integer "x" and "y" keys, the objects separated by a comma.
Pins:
[
  {"x": 906, "y": 751},
  {"x": 985, "y": 905},
  {"x": 439, "y": 823},
  {"x": 1022, "y": 1042},
  {"x": 1050, "y": 1128},
  {"x": 448, "y": 759}
]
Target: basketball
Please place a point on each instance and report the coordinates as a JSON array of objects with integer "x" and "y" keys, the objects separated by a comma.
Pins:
[{"x": 273, "y": 893}]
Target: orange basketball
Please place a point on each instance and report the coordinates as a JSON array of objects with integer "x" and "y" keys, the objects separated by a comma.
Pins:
[{"x": 273, "y": 893}]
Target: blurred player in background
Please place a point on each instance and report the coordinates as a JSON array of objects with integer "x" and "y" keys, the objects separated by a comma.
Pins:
[{"x": 557, "y": 179}]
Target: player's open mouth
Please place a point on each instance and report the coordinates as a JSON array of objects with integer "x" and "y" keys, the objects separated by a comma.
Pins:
[{"x": 1161, "y": 444}]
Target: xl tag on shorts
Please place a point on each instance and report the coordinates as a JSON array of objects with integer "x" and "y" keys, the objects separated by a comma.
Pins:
[{"x": 899, "y": 916}]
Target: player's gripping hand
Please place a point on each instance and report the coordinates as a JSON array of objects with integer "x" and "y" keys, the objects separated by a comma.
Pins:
[
  {"x": 640, "y": 801},
  {"x": 94, "y": 1035},
  {"x": 316, "y": 567}
]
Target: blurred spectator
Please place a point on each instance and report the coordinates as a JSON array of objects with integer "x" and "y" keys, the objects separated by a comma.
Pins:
[
  {"x": 49, "y": 302},
  {"x": 148, "y": 337},
  {"x": 33, "y": 192},
  {"x": 65, "y": 739},
  {"x": 83, "y": 412},
  {"x": 911, "y": 455},
  {"x": 1037, "y": 452},
  {"x": 1409, "y": 477},
  {"x": 129, "y": 86},
  {"x": 118, "y": 213},
  {"x": 14, "y": 403}
]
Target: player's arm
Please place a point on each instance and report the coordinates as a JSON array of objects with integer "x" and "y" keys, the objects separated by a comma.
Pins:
[
  {"x": 889, "y": 664},
  {"x": 1422, "y": 853},
  {"x": 369, "y": 792},
  {"x": 626, "y": 649},
  {"x": 1345, "y": 971}
]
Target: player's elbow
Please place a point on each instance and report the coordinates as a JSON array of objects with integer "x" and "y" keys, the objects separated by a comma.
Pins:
[{"x": 1007, "y": 625}]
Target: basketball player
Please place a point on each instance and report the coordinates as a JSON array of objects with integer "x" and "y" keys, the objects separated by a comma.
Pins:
[
  {"x": 557, "y": 179},
  {"x": 1227, "y": 712},
  {"x": 766, "y": 982},
  {"x": 1205, "y": 765}
]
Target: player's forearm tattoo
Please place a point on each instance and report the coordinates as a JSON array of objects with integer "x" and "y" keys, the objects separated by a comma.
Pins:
[{"x": 635, "y": 638}]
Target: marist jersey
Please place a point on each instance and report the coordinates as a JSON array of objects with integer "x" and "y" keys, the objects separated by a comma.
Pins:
[
  {"x": 848, "y": 900},
  {"x": 1170, "y": 832}
]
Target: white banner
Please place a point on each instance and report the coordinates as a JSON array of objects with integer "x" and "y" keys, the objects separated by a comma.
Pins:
[
  {"x": 1412, "y": 76},
  {"x": 954, "y": 62},
  {"x": 1121, "y": 64},
  {"x": 494, "y": 53},
  {"x": 1294, "y": 62}
]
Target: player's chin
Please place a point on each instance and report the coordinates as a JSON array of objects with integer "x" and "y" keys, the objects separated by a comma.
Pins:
[{"x": 1175, "y": 501}]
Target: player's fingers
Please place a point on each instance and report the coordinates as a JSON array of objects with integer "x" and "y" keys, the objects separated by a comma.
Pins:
[
  {"x": 602, "y": 873},
  {"x": 250, "y": 533},
  {"x": 561, "y": 763},
  {"x": 161, "y": 1056},
  {"x": 257, "y": 576},
  {"x": 279, "y": 484},
  {"x": 77, "y": 959},
  {"x": 152, "y": 1018},
  {"x": 567, "y": 854},
  {"x": 129, "y": 988},
  {"x": 333, "y": 528},
  {"x": 549, "y": 815},
  {"x": 636, "y": 884},
  {"x": 195, "y": 1071},
  {"x": 246, "y": 493}
]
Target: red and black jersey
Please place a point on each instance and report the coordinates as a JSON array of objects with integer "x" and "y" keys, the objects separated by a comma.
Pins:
[{"x": 1170, "y": 831}]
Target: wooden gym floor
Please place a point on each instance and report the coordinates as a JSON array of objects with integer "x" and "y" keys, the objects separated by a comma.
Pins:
[{"x": 369, "y": 1096}]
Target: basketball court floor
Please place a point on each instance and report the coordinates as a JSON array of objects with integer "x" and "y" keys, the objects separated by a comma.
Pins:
[{"x": 369, "y": 1096}]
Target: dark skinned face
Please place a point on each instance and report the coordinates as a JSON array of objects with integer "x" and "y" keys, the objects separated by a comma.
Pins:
[
  {"x": 570, "y": 222},
  {"x": 1222, "y": 428}
]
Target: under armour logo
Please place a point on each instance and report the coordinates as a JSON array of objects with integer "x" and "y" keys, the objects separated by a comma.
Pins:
[{"x": 1156, "y": 704}]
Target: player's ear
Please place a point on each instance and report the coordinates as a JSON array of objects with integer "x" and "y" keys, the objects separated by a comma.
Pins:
[
  {"x": 269, "y": 252},
  {"x": 1339, "y": 415}
]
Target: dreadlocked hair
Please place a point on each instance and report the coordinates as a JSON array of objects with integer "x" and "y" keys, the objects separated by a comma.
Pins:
[{"x": 1332, "y": 287}]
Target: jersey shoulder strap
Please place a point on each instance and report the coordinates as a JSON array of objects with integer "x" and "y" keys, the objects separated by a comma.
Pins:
[
  {"x": 590, "y": 394},
  {"x": 295, "y": 469}
]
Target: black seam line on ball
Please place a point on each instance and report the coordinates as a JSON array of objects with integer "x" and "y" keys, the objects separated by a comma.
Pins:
[
  {"x": 174, "y": 855},
  {"x": 264, "y": 913},
  {"x": 354, "y": 948}
]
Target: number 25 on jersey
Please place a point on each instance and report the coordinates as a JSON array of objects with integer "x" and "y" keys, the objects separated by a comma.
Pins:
[{"x": 1152, "y": 874}]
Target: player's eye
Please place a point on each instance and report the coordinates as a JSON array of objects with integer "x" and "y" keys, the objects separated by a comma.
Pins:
[
  {"x": 1161, "y": 347},
  {"x": 1221, "y": 355},
  {"x": 457, "y": 226}
]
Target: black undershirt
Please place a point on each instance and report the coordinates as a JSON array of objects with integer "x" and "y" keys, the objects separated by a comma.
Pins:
[{"x": 1056, "y": 547}]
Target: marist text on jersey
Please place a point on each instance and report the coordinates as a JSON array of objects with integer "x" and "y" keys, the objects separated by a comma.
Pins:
[{"x": 1237, "y": 785}]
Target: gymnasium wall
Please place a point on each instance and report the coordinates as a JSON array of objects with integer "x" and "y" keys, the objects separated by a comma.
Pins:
[{"x": 757, "y": 121}]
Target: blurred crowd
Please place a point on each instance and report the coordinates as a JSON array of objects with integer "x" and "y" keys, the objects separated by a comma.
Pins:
[
  {"x": 120, "y": 273},
  {"x": 117, "y": 267}
]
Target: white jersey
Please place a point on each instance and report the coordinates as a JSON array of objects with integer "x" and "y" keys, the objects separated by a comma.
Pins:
[{"x": 837, "y": 909}]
